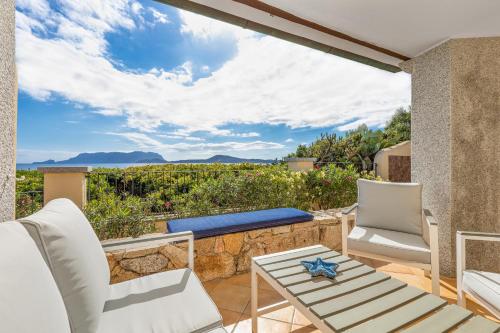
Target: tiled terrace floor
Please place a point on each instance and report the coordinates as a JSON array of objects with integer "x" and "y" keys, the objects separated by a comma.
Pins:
[{"x": 232, "y": 297}]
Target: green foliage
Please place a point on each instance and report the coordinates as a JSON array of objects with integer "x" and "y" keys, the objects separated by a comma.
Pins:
[
  {"x": 324, "y": 188},
  {"x": 123, "y": 202},
  {"x": 399, "y": 127},
  {"x": 333, "y": 187},
  {"x": 268, "y": 187},
  {"x": 358, "y": 146},
  {"x": 113, "y": 216},
  {"x": 29, "y": 189}
]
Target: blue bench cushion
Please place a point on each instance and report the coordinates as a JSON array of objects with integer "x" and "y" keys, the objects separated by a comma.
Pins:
[{"x": 207, "y": 226}]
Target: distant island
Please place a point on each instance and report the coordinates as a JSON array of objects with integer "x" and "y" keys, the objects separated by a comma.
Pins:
[
  {"x": 147, "y": 157},
  {"x": 225, "y": 159},
  {"x": 111, "y": 157}
]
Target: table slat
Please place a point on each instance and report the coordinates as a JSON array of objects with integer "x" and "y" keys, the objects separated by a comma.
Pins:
[
  {"x": 340, "y": 289},
  {"x": 479, "y": 324},
  {"x": 356, "y": 298},
  {"x": 291, "y": 255},
  {"x": 343, "y": 275},
  {"x": 295, "y": 262},
  {"x": 368, "y": 310},
  {"x": 442, "y": 321},
  {"x": 345, "y": 264},
  {"x": 402, "y": 316}
]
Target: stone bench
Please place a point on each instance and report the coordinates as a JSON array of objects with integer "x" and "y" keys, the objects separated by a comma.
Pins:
[{"x": 225, "y": 255}]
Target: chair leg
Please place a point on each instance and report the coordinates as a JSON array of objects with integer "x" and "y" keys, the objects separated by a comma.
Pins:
[
  {"x": 435, "y": 281},
  {"x": 461, "y": 300},
  {"x": 345, "y": 232},
  {"x": 433, "y": 237},
  {"x": 254, "y": 298}
]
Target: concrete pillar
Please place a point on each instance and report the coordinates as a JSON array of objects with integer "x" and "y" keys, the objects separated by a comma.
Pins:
[
  {"x": 456, "y": 143},
  {"x": 65, "y": 182},
  {"x": 8, "y": 111},
  {"x": 300, "y": 163}
]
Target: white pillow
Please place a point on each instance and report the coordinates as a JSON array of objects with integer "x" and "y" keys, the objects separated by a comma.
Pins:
[
  {"x": 391, "y": 206},
  {"x": 29, "y": 299},
  {"x": 76, "y": 259}
]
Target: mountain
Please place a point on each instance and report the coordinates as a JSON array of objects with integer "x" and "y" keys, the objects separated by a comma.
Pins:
[
  {"x": 112, "y": 157},
  {"x": 46, "y": 162},
  {"x": 147, "y": 157},
  {"x": 225, "y": 159}
]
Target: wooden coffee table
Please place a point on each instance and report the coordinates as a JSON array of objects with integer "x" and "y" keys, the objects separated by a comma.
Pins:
[{"x": 359, "y": 299}]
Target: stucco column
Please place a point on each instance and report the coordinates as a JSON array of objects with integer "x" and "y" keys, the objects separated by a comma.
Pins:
[
  {"x": 8, "y": 111},
  {"x": 456, "y": 143},
  {"x": 65, "y": 182},
  {"x": 300, "y": 163}
]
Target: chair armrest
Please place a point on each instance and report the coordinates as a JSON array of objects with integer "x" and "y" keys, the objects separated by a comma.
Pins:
[
  {"x": 348, "y": 210},
  {"x": 475, "y": 235},
  {"x": 462, "y": 236},
  {"x": 431, "y": 221},
  {"x": 152, "y": 240}
]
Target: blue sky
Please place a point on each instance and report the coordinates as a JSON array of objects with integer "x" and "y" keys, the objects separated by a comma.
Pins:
[{"x": 124, "y": 75}]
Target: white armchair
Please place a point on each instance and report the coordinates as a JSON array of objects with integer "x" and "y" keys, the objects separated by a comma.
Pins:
[
  {"x": 483, "y": 286},
  {"x": 171, "y": 301},
  {"x": 390, "y": 225}
]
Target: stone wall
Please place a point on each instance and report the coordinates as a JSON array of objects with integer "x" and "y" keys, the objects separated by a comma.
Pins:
[{"x": 226, "y": 255}]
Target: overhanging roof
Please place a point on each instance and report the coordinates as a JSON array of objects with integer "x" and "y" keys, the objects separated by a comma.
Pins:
[{"x": 380, "y": 33}]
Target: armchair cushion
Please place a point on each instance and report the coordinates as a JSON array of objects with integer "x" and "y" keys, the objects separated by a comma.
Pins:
[
  {"x": 484, "y": 286},
  {"x": 76, "y": 259},
  {"x": 393, "y": 244},
  {"x": 29, "y": 298},
  {"x": 172, "y": 301},
  {"x": 390, "y": 206}
]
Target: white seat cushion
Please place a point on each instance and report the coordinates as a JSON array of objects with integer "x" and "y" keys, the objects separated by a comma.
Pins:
[
  {"x": 391, "y": 206},
  {"x": 29, "y": 299},
  {"x": 167, "y": 302},
  {"x": 76, "y": 259},
  {"x": 393, "y": 244},
  {"x": 485, "y": 286}
]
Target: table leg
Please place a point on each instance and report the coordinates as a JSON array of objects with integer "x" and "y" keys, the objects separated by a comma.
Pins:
[{"x": 254, "y": 297}]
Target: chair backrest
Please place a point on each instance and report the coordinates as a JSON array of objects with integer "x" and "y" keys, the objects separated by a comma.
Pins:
[
  {"x": 391, "y": 206},
  {"x": 29, "y": 298},
  {"x": 76, "y": 259}
]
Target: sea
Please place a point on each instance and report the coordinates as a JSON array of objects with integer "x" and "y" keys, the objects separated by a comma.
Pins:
[{"x": 30, "y": 166}]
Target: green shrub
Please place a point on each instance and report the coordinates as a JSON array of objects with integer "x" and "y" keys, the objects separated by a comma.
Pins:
[{"x": 112, "y": 216}]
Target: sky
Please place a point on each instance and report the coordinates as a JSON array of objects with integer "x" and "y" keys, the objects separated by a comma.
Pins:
[{"x": 125, "y": 75}]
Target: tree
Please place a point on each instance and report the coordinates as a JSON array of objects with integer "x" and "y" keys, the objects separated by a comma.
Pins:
[
  {"x": 398, "y": 129},
  {"x": 359, "y": 146}
]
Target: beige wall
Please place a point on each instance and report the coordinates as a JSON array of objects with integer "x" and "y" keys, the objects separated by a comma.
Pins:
[
  {"x": 8, "y": 111},
  {"x": 300, "y": 164},
  {"x": 382, "y": 157},
  {"x": 65, "y": 182},
  {"x": 455, "y": 142}
]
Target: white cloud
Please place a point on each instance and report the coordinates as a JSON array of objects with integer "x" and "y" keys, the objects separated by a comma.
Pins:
[
  {"x": 144, "y": 141},
  {"x": 268, "y": 81},
  {"x": 289, "y": 140},
  {"x": 180, "y": 137},
  {"x": 136, "y": 8},
  {"x": 39, "y": 8},
  {"x": 205, "y": 28},
  {"x": 158, "y": 16},
  {"x": 140, "y": 139}
]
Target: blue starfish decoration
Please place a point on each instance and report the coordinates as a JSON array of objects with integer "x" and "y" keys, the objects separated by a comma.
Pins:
[{"x": 320, "y": 267}]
